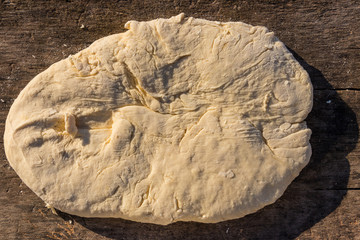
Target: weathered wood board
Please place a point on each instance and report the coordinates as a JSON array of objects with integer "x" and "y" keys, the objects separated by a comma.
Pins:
[{"x": 322, "y": 203}]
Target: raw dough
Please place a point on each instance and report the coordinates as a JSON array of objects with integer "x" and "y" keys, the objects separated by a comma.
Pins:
[{"x": 174, "y": 120}]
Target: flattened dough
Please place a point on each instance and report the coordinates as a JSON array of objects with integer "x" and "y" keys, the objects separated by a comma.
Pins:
[{"x": 178, "y": 119}]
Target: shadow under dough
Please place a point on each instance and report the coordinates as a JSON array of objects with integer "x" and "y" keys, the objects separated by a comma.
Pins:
[{"x": 312, "y": 196}]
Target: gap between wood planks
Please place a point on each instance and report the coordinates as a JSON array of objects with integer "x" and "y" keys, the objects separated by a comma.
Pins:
[
  {"x": 337, "y": 89},
  {"x": 338, "y": 189}
]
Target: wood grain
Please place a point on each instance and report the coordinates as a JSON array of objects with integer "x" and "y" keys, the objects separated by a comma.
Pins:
[{"x": 322, "y": 203}]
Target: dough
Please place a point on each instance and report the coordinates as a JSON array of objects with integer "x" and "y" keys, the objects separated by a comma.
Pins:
[{"x": 178, "y": 119}]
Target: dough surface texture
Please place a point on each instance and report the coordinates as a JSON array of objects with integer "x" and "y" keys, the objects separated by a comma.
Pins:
[{"x": 178, "y": 119}]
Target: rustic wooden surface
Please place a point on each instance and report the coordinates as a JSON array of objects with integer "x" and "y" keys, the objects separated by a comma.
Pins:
[{"x": 322, "y": 203}]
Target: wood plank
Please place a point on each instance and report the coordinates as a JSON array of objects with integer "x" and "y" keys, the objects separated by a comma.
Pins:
[{"x": 322, "y": 203}]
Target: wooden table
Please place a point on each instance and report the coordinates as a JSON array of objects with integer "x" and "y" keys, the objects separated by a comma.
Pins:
[{"x": 322, "y": 203}]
